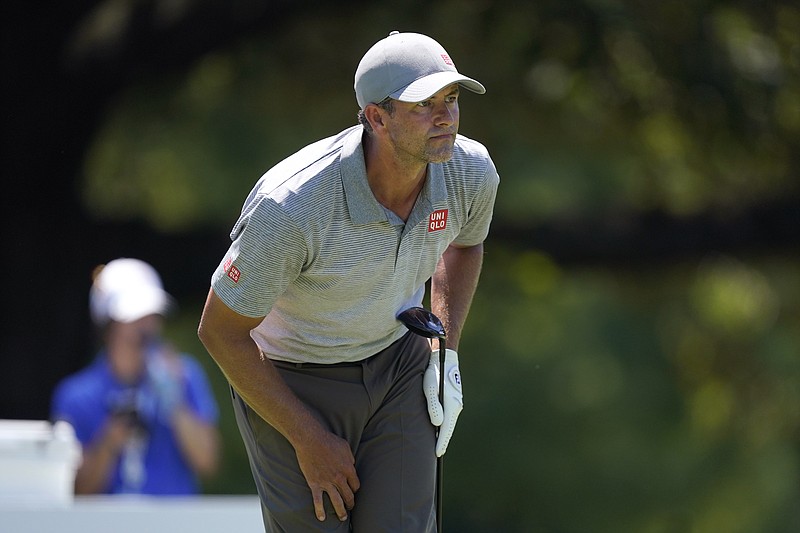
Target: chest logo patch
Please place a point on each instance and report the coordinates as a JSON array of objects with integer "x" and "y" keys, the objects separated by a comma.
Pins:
[{"x": 438, "y": 220}]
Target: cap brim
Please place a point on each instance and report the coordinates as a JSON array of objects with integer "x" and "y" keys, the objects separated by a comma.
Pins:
[{"x": 427, "y": 86}]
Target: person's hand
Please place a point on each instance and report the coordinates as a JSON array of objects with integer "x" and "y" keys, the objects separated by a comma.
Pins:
[
  {"x": 165, "y": 373},
  {"x": 329, "y": 467},
  {"x": 117, "y": 431},
  {"x": 443, "y": 416}
]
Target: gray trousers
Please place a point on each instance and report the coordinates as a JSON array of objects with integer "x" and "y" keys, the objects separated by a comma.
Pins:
[{"x": 377, "y": 406}]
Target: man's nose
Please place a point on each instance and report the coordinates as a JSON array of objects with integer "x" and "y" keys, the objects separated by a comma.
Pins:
[{"x": 445, "y": 115}]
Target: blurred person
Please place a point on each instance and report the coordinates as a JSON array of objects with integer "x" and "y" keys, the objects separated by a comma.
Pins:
[
  {"x": 144, "y": 413},
  {"x": 331, "y": 245}
]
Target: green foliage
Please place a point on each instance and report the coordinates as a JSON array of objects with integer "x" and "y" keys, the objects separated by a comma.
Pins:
[
  {"x": 659, "y": 399},
  {"x": 593, "y": 106},
  {"x": 612, "y": 401},
  {"x": 601, "y": 400}
]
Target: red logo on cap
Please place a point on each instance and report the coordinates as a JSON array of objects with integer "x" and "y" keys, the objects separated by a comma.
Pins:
[
  {"x": 447, "y": 59},
  {"x": 438, "y": 220}
]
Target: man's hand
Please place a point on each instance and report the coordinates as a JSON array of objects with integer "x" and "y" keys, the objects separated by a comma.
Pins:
[
  {"x": 443, "y": 416},
  {"x": 329, "y": 466},
  {"x": 325, "y": 460}
]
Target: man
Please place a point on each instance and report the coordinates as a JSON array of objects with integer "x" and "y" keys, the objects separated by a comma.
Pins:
[
  {"x": 332, "y": 244},
  {"x": 144, "y": 414}
]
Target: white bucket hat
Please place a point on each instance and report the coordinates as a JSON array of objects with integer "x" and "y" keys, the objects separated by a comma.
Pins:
[
  {"x": 409, "y": 67},
  {"x": 126, "y": 290}
]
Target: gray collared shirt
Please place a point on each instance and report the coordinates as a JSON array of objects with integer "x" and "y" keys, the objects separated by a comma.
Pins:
[{"x": 328, "y": 266}]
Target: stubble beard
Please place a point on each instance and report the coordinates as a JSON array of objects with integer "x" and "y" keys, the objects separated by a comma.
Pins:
[
  {"x": 440, "y": 155},
  {"x": 424, "y": 151}
]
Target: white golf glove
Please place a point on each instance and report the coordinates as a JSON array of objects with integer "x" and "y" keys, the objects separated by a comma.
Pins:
[{"x": 443, "y": 416}]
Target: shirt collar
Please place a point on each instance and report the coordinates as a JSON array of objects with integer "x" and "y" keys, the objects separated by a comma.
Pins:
[{"x": 361, "y": 203}]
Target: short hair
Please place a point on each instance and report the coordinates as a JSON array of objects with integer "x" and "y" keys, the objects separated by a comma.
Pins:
[{"x": 387, "y": 104}]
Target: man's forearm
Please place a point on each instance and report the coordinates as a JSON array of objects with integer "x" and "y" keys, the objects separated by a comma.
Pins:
[
  {"x": 325, "y": 459},
  {"x": 453, "y": 286},
  {"x": 258, "y": 382}
]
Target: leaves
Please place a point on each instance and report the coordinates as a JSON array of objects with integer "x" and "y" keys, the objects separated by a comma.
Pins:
[{"x": 659, "y": 396}]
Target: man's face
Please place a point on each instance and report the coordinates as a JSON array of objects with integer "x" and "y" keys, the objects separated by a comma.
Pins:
[
  {"x": 426, "y": 131},
  {"x": 127, "y": 345}
]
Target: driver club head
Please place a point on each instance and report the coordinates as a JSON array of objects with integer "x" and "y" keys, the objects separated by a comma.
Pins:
[{"x": 422, "y": 322}]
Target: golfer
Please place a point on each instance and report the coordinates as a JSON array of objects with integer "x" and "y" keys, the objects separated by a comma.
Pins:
[{"x": 331, "y": 245}]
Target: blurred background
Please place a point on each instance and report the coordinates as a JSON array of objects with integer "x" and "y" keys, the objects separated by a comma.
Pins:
[{"x": 632, "y": 358}]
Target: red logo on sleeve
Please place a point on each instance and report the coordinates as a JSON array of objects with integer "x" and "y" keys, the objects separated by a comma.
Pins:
[
  {"x": 232, "y": 271},
  {"x": 437, "y": 220}
]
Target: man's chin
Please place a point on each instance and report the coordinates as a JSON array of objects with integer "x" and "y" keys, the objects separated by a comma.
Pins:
[{"x": 441, "y": 156}]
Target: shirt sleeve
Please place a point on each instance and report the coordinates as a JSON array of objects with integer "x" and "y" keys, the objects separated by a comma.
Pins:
[
  {"x": 66, "y": 406},
  {"x": 268, "y": 252},
  {"x": 479, "y": 216}
]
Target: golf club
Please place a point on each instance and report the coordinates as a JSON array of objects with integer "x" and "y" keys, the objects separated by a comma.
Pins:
[{"x": 424, "y": 323}]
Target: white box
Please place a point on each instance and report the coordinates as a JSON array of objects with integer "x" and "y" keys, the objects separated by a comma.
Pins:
[{"x": 38, "y": 461}]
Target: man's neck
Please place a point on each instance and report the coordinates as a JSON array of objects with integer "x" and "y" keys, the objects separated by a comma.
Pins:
[{"x": 394, "y": 184}]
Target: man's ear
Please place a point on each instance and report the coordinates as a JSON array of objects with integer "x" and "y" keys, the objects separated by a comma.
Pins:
[{"x": 374, "y": 115}]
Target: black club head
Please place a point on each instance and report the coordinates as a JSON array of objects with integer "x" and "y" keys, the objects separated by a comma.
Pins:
[{"x": 422, "y": 322}]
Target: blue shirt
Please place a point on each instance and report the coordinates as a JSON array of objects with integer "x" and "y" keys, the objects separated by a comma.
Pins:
[{"x": 87, "y": 398}]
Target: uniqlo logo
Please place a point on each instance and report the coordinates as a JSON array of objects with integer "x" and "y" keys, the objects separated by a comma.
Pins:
[
  {"x": 438, "y": 220},
  {"x": 231, "y": 270},
  {"x": 447, "y": 59}
]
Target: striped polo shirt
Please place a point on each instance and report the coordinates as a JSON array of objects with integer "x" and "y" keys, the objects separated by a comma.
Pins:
[{"x": 327, "y": 266}]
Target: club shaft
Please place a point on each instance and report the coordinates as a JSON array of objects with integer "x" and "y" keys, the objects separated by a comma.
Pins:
[{"x": 440, "y": 460}]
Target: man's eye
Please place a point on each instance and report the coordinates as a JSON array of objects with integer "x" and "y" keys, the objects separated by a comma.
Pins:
[{"x": 426, "y": 103}]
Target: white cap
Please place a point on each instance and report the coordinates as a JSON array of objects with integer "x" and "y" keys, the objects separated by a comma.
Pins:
[
  {"x": 126, "y": 290},
  {"x": 409, "y": 67}
]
